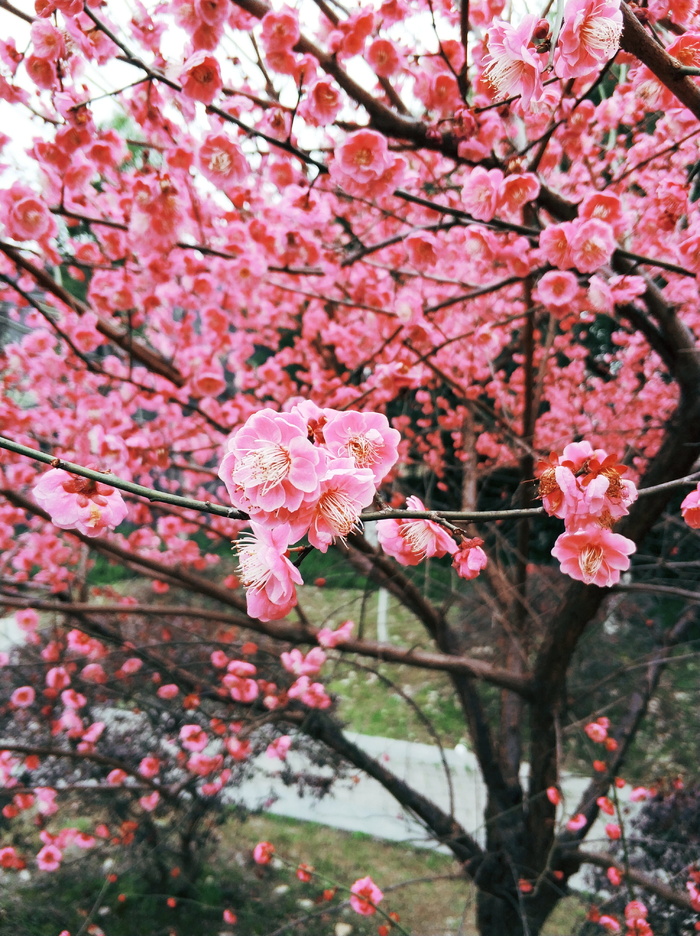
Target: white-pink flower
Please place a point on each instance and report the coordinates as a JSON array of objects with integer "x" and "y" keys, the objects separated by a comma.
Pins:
[
  {"x": 513, "y": 66},
  {"x": 470, "y": 558},
  {"x": 345, "y": 490},
  {"x": 329, "y": 639},
  {"x": 363, "y": 164},
  {"x": 589, "y": 37},
  {"x": 271, "y": 464},
  {"x": 75, "y": 503},
  {"x": 594, "y": 555},
  {"x": 411, "y": 541},
  {"x": 267, "y": 574},
  {"x": 366, "y": 438}
]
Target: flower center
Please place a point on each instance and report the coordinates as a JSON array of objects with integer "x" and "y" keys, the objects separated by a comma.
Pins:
[
  {"x": 339, "y": 511},
  {"x": 600, "y": 32},
  {"x": 418, "y": 536},
  {"x": 266, "y": 466},
  {"x": 220, "y": 162},
  {"x": 590, "y": 561},
  {"x": 252, "y": 570},
  {"x": 363, "y": 450}
]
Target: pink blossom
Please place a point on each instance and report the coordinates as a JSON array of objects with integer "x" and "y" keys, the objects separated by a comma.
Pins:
[
  {"x": 23, "y": 697},
  {"x": 609, "y": 923},
  {"x": 614, "y": 875},
  {"x": 480, "y": 192},
  {"x": 556, "y": 290},
  {"x": 200, "y": 77},
  {"x": 168, "y": 691},
  {"x": 280, "y": 31},
  {"x": 690, "y": 508},
  {"x": 57, "y": 678},
  {"x": 517, "y": 190},
  {"x": 366, "y": 438},
  {"x": 596, "y": 732},
  {"x": 48, "y": 41},
  {"x": 576, "y": 822},
  {"x": 298, "y": 664},
  {"x": 221, "y": 160},
  {"x": 364, "y": 896},
  {"x": 322, "y": 103},
  {"x": 411, "y": 541},
  {"x": 422, "y": 250},
  {"x": 202, "y": 765},
  {"x": 594, "y": 555},
  {"x": 49, "y": 858},
  {"x": 117, "y": 776},
  {"x": 28, "y": 218},
  {"x": 79, "y": 503},
  {"x": 554, "y": 244},
  {"x": 639, "y": 794},
  {"x": 239, "y": 750},
  {"x": 93, "y": 672},
  {"x": 328, "y": 638},
  {"x": 383, "y": 58},
  {"x": 589, "y": 37},
  {"x": 345, "y": 490},
  {"x": 470, "y": 558},
  {"x": 311, "y": 694},
  {"x": 149, "y": 766},
  {"x": 278, "y": 748},
  {"x": 270, "y": 463},
  {"x": 592, "y": 243},
  {"x": 149, "y": 802},
  {"x": 512, "y": 65},
  {"x": 193, "y": 737},
  {"x": 263, "y": 852},
  {"x": 613, "y": 831},
  {"x": 267, "y": 574},
  {"x": 363, "y": 164}
]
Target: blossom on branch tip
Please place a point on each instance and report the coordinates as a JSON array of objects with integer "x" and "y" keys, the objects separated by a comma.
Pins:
[
  {"x": 364, "y": 896},
  {"x": 411, "y": 541},
  {"x": 268, "y": 576},
  {"x": 76, "y": 503},
  {"x": 470, "y": 558}
]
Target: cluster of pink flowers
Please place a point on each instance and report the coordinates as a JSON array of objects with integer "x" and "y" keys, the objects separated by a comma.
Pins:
[
  {"x": 76, "y": 503},
  {"x": 584, "y": 487},
  {"x": 306, "y": 472},
  {"x": 589, "y": 37},
  {"x": 635, "y": 920},
  {"x": 412, "y": 541}
]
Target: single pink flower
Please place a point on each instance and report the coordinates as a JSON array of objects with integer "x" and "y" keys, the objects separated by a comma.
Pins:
[
  {"x": 49, "y": 858},
  {"x": 613, "y": 831},
  {"x": 480, "y": 192},
  {"x": 222, "y": 161},
  {"x": 411, "y": 541},
  {"x": 690, "y": 508},
  {"x": 271, "y": 464},
  {"x": 366, "y": 438},
  {"x": 592, "y": 243},
  {"x": 193, "y": 738},
  {"x": 589, "y": 37},
  {"x": 470, "y": 558},
  {"x": 78, "y": 503},
  {"x": 267, "y": 574},
  {"x": 576, "y": 822},
  {"x": 422, "y": 249},
  {"x": 364, "y": 896},
  {"x": 383, "y": 58},
  {"x": 555, "y": 244},
  {"x": 329, "y": 639},
  {"x": 594, "y": 555},
  {"x": 200, "y": 77},
  {"x": 345, "y": 490},
  {"x": 513, "y": 66},
  {"x": 168, "y": 691},
  {"x": 295, "y": 662},
  {"x": 517, "y": 190},
  {"x": 556, "y": 290},
  {"x": 609, "y": 923},
  {"x": 311, "y": 694},
  {"x": 363, "y": 165},
  {"x": 280, "y": 31},
  {"x": 278, "y": 749},
  {"x": 263, "y": 852},
  {"x": 23, "y": 697},
  {"x": 596, "y": 732},
  {"x": 322, "y": 103}
]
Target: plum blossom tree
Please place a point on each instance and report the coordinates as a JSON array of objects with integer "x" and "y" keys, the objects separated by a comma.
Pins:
[{"x": 273, "y": 273}]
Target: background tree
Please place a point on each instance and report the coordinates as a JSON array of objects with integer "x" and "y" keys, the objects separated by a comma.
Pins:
[{"x": 484, "y": 231}]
